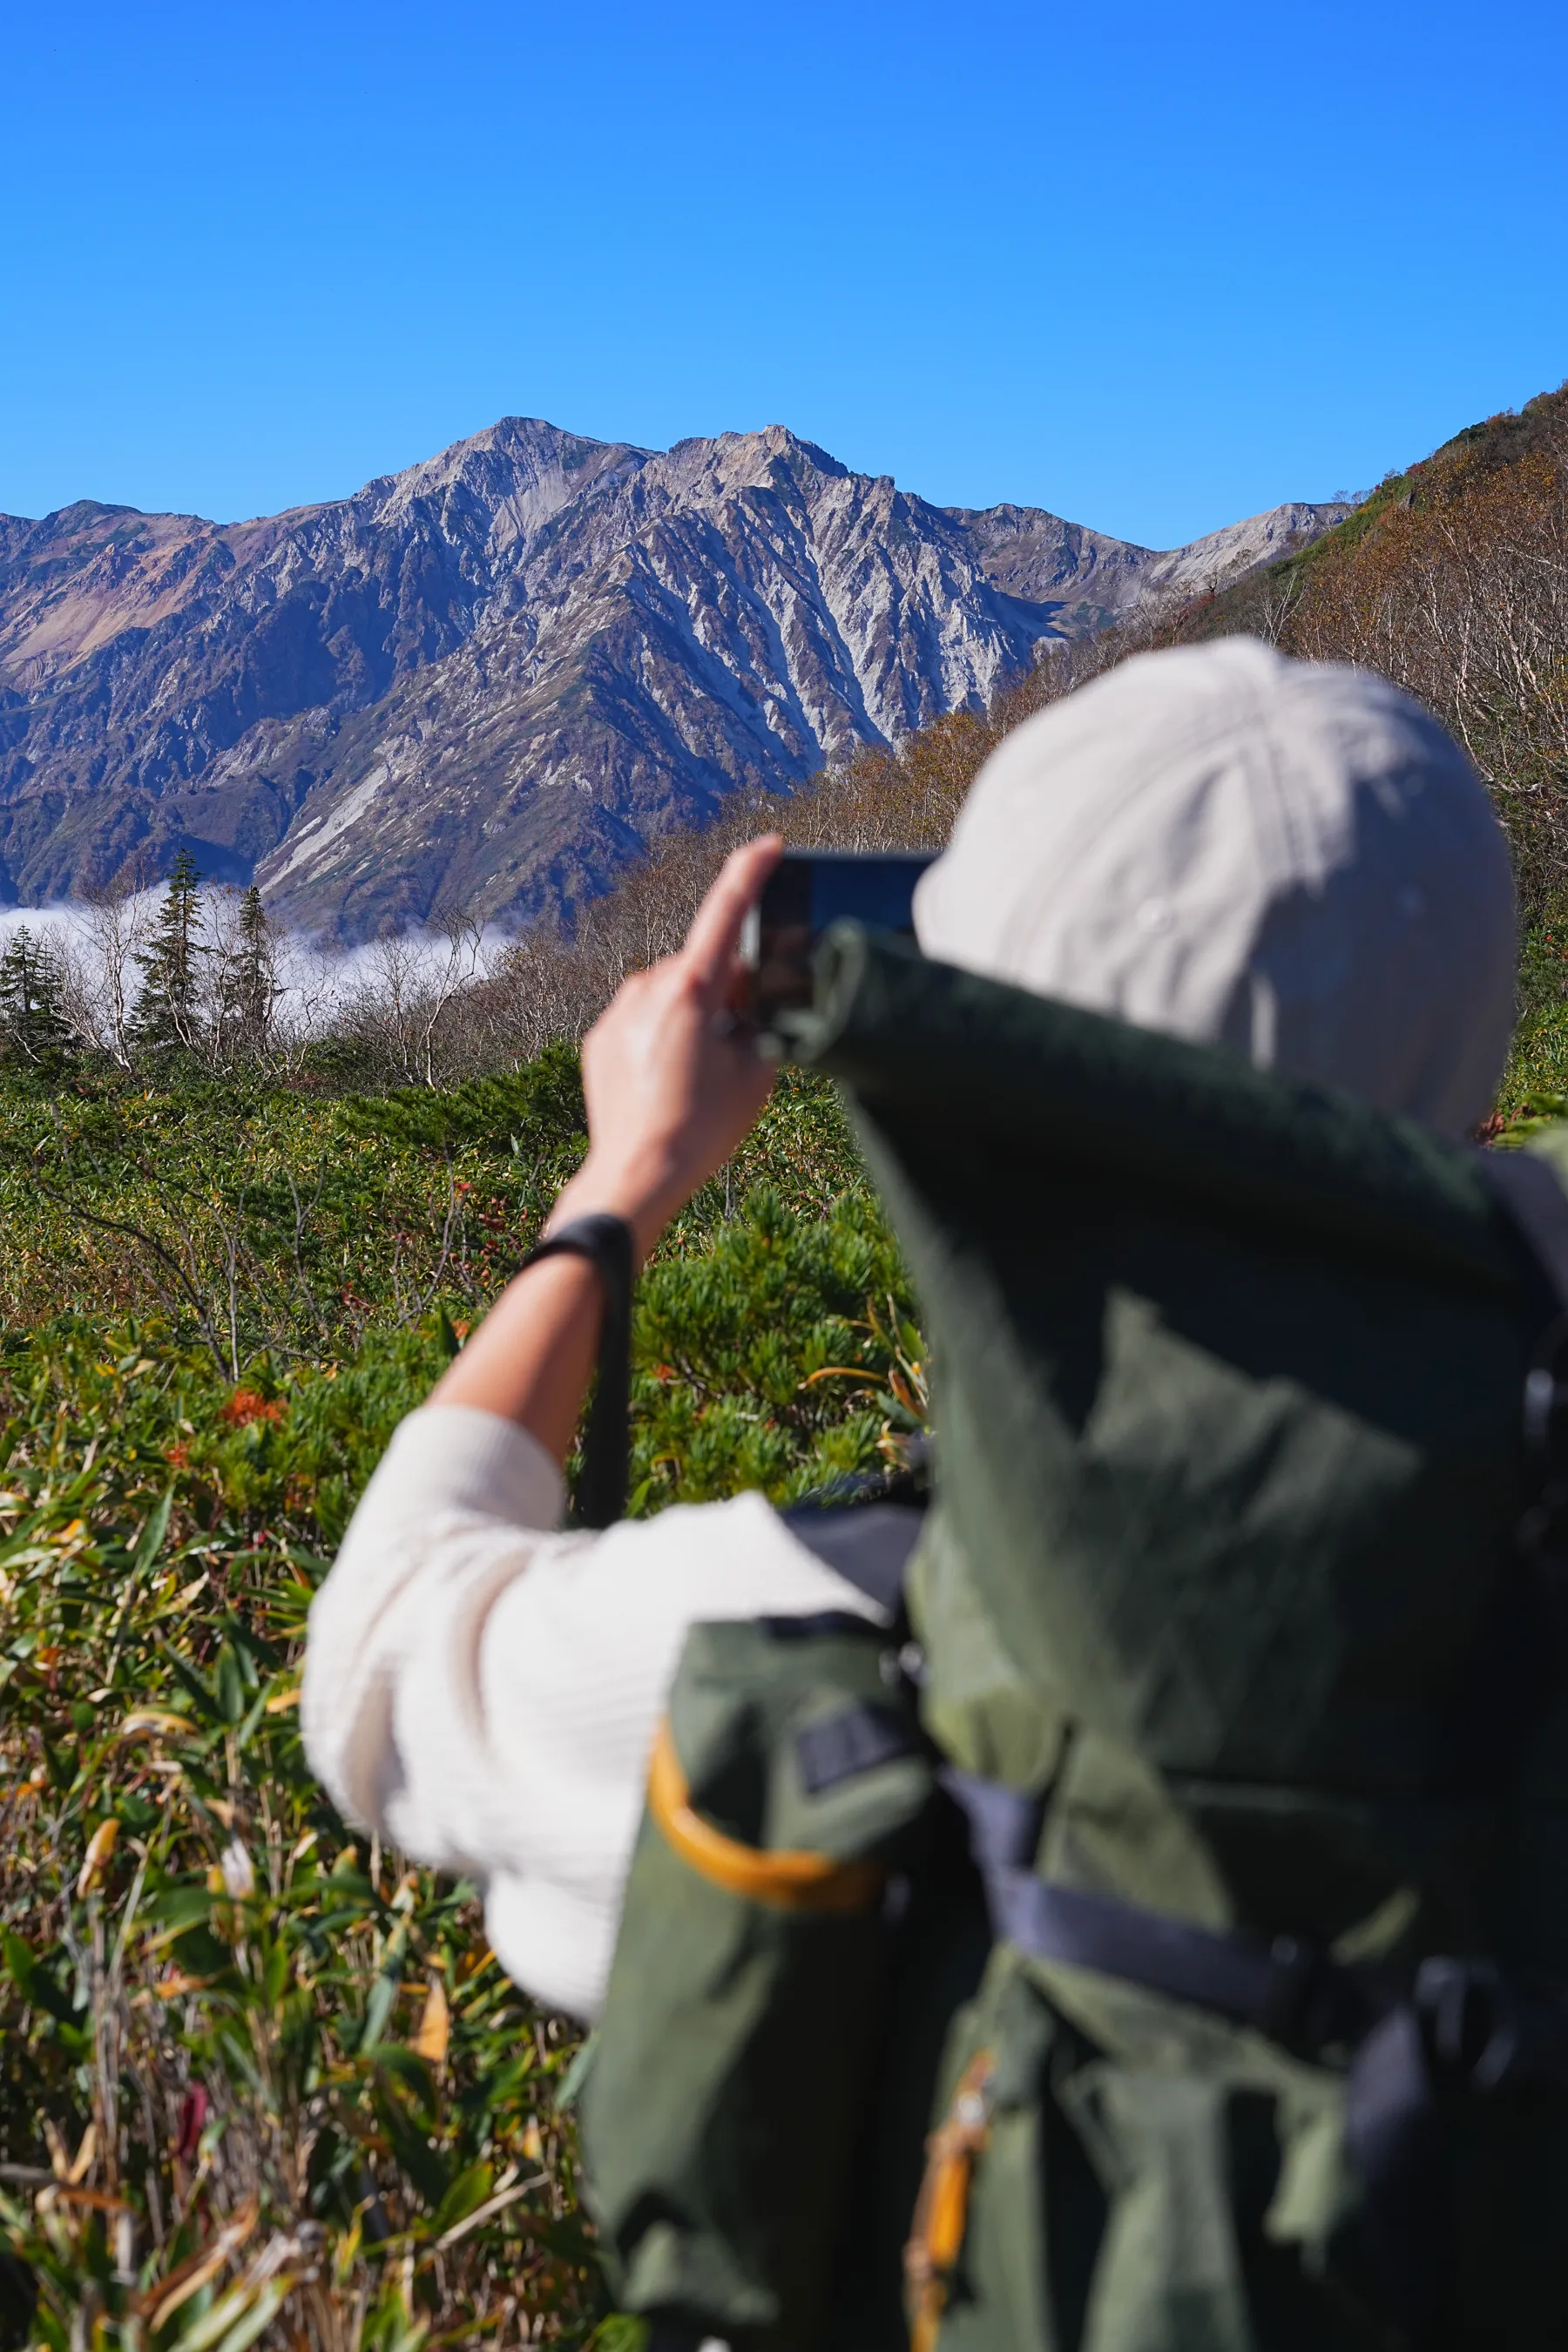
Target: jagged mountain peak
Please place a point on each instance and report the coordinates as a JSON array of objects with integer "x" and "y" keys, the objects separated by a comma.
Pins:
[
  {"x": 707, "y": 467},
  {"x": 487, "y": 677},
  {"x": 776, "y": 441},
  {"x": 515, "y": 450}
]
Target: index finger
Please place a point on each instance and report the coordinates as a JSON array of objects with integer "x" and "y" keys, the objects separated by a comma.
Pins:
[{"x": 715, "y": 933}]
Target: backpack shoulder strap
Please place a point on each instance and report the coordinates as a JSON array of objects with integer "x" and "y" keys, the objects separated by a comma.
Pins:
[
  {"x": 868, "y": 1544},
  {"x": 1536, "y": 1206}
]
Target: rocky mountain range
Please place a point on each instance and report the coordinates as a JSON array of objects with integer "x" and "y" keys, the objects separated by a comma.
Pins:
[{"x": 486, "y": 680}]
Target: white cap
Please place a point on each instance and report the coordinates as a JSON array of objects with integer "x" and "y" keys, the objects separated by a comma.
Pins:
[{"x": 1290, "y": 859}]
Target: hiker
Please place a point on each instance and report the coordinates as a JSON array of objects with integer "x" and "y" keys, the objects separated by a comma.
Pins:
[{"x": 1289, "y": 863}]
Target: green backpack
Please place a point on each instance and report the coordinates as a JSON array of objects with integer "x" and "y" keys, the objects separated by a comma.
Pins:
[{"x": 1228, "y": 1649}]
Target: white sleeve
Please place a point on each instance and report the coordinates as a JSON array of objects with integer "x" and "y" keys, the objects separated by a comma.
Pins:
[{"x": 485, "y": 1692}]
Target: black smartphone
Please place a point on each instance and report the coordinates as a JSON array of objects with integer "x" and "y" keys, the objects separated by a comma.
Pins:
[{"x": 808, "y": 890}]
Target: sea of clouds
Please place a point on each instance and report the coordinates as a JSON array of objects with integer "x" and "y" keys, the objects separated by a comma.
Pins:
[{"x": 317, "y": 984}]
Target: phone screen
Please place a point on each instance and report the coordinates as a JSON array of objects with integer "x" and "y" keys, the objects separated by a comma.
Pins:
[{"x": 808, "y": 891}]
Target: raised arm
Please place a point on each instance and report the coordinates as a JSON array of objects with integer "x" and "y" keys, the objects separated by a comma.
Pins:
[{"x": 670, "y": 1094}]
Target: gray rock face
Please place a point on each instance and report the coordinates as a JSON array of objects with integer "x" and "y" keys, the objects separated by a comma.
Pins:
[{"x": 487, "y": 680}]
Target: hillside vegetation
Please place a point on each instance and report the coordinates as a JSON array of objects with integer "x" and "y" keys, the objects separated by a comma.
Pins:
[{"x": 260, "y": 2081}]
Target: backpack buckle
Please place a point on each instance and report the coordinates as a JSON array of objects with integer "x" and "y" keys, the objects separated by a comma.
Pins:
[{"x": 1490, "y": 2026}]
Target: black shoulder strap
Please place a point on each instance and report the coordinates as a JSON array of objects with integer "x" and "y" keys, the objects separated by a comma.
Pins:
[{"x": 606, "y": 1243}]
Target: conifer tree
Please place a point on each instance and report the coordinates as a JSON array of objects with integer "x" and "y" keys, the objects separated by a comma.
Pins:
[
  {"x": 251, "y": 983},
  {"x": 168, "y": 1012},
  {"x": 32, "y": 991}
]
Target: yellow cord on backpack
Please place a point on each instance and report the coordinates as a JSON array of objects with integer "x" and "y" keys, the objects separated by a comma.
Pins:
[
  {"x": 941, "y": 2210},
  {"x": 787, "y": 1881}
]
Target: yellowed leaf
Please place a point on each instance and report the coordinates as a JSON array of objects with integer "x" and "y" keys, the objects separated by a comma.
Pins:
[
  {"x": 99, "y": 1847},
  {"x": 84, "y": 2156},
  {"x": 204, "y": 2264},
  {"x": 99, "y": 2201},
  {"x": 177, "y": 1984},
  {"x": 435, "y": 2026},
  {"x": 284, "y": 1701},
  {"x": 152, "y": 1719}
]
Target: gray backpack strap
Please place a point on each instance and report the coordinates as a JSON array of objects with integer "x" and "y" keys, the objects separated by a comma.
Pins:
[
  {"x": 865, "y": 1526},
  {"x": 868, "y": 1544}
]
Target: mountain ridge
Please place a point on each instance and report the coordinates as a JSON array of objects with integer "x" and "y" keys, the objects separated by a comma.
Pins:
[{"x": 491, "y": 678}]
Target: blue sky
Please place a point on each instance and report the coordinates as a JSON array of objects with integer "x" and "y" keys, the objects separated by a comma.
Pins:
[{"x": 1152, "y": 267}]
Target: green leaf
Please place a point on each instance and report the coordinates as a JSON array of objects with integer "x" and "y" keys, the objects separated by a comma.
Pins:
[
  {"x": 619, "y": 2331},
  {"x": 430, "y": 2174},
  {"x": 237, "y": 2319},
  {"x": 377, "y": 2010},
  {"x": 150, "y": 1543},
  {"x": 200, "y": 1696},
  {"x": 413, "y": 2074},
  {"x": 277, "y": 1973},
  {"x": 465, "y": 2196},
  {"x": 230, "y": 1685},
  {"x": 570, "y": 2088},
  {"x": 55, "y": 1989},
  {"x": 19, "y": 1962},
  {"x": 179, "y": 1907},
  {"x": 253, "y": 1721}
]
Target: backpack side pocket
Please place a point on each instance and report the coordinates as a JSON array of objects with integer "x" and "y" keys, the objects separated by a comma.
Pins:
[{"x": 787, "y": 1796}]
